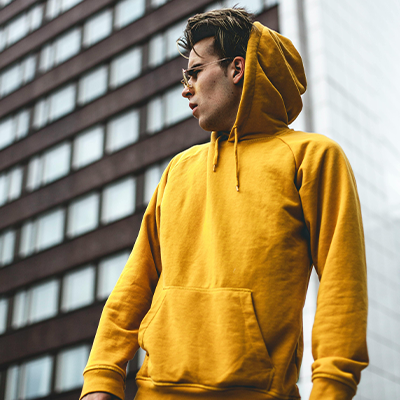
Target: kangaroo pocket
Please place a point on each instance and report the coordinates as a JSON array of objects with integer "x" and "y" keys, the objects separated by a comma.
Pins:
[{"x": 207, "y": 337}]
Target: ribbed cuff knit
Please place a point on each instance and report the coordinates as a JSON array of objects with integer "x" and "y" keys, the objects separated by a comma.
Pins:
[
  {"x": 330, "y": 389},
  {"x": 103, "y": 380}
]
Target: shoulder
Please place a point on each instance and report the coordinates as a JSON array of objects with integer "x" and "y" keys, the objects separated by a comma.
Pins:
[
  {"x": 306, "y": 145},
  {"x": 193, "y": 153},
  {"x": 300, "y": 138}
]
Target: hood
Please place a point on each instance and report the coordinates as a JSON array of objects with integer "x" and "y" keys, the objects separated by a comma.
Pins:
[{"x": 274, "y": 80}]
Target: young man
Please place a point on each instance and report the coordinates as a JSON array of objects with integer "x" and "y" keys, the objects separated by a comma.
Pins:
[{"x": 215, "y": 285}]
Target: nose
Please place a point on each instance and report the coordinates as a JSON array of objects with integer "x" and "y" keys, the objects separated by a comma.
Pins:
[{"x": 187, "y": 92}]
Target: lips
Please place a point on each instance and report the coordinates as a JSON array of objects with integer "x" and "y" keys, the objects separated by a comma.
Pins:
[{"x": 192, "y": 105}]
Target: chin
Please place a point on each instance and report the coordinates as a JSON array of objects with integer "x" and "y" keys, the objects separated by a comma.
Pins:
[{"x": 207, "y": 126}]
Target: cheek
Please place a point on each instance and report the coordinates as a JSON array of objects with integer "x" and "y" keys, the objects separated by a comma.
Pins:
[{"x": 211, "y": 91}]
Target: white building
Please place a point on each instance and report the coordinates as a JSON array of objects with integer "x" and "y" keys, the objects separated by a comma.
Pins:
[{"x": 351, "y": 53}]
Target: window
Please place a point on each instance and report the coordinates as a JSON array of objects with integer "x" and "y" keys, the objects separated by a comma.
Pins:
[
  {"x": 78, "y": 289},
  {"x": 46, "y": 57},
  {"x": 30, "y": 380},
  {"x": 53, "y": 8},
  {"x": 7, "y": 245},
  {"x": 40, "y": 117},
  {"x": 22, "y": 124},
  {"x": 36, "y": 304},
  {"x": 12, "y": 383},
  {"x": 152, "y": 177},
  {"x": 156, "y": 50},
  {"x": 3, "y": 3},
  {"x": 158, "y": 3},
  {"x": 177, "y": 107},
  {"x": 97, "y": 28},
  {"x": 56, "y": 163},
  {"x": 36, "y": 377},
  {"x": 28, "y": 69},
  {"x": 83, "y": 215},
  {"x": 16, "y": 75},
  {"x": 118, "y": 200},
  {"x": 173, "y": 33},
  {"x": 3, "y": 315},
  {"x": 88, "y": 147},
  {"x": 10, "y": 80},
  {"x": 155, "y": 115},
  {"x": 67, "y": 4},
  {"x": 44, "y": 232},
  {"x": 17, "y": 29},
  {"x": 10, "y": 185},
  {"x": 43, "y": 301},
  {"x": 126, "y": 67},
  {"x": 122, "y": 131},
  {"x": 55, "y": 106},
  {"x": 50, "y": 229},
  {"x": 34, "y": 173},
  {"x": 20, "y": 310},
  {"x": 52, "y": 165},
  {"x": 2, "y": 39},
  {"x": 70, "y": 365},
  {"x": 15, "y": 183},
  {"x": 110, "y": 269},
  {"x": 163, "y": 46},
  {"x": 22, "y": 25},
  {"x": 3, "y": 188},
  {"x": 56, "y": 7},
  {"x": 93, "y": 85},
  {"x": 62, "y": 102},
  {"x": 67, "y": 45},
  {"x": 62, "y": 49},
  {"x": 35, "y": 17},
  {"x": 127, "y": 11},
  {"x": 7, "y": 132},
  {"x": 167, "y": 110}
]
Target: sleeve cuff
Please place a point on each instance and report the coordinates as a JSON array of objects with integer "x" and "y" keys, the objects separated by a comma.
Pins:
[
  {"x": 103, "y": 379},
  {"x": 330, "y": 389}
]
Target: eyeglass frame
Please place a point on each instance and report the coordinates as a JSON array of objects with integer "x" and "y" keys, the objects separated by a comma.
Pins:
[{"x": 185, "y": 80}]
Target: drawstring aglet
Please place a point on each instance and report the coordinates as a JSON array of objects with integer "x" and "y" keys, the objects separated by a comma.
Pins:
[
  {"x": 237, "y": 188},
  {"x": 214, "y": 168}
]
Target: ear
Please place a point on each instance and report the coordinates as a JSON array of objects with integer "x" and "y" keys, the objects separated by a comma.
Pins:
[{"x": 238, "y": 70}]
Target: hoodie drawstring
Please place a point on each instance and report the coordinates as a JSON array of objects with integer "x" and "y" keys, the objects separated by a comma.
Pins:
[
  {"x": 216, "y": 154},
  {"x": 236, "y": 160},
  {"x": 215, "y": 161}
]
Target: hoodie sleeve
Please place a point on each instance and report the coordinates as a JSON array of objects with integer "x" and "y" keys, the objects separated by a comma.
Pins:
[
  {"x": 116, "y": 340},
  {"x": 332, "y": 213}
]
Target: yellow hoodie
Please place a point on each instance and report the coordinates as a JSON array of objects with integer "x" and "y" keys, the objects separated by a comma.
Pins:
[{"x": 214, "y": 288}]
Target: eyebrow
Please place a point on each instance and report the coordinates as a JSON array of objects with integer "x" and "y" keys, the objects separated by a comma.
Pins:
[{"x": 195, "y": 66}]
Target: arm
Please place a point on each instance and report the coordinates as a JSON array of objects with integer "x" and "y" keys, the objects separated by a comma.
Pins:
[
  {"x": 333, "y": 217},
  {"x": 116, "y": 340}
]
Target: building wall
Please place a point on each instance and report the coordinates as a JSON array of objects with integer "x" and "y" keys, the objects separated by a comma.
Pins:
[
  {"x": 351, "y": 51},
  {"x": 90, "y": 114}
]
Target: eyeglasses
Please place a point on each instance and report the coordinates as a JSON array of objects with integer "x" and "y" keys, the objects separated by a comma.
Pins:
[{"x": 192, "y": 72}]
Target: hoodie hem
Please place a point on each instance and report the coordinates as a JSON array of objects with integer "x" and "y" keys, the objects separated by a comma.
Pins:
[{"x": 147, "y": 388}]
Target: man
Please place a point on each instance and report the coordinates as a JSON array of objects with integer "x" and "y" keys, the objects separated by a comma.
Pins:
[{"x": 215, "y": 285}]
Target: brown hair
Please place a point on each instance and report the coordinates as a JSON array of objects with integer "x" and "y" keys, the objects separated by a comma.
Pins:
[{"x": 230, "y": 27}]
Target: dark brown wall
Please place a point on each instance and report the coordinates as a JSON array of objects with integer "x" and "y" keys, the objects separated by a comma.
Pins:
[
  {"x": 50, "y": 335},
  {"x": 132, "y": 94},
  {"x": 120, "y": 40},
  {"x": 109, "y": 168},
  {"x": 51, "y": 29}
]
